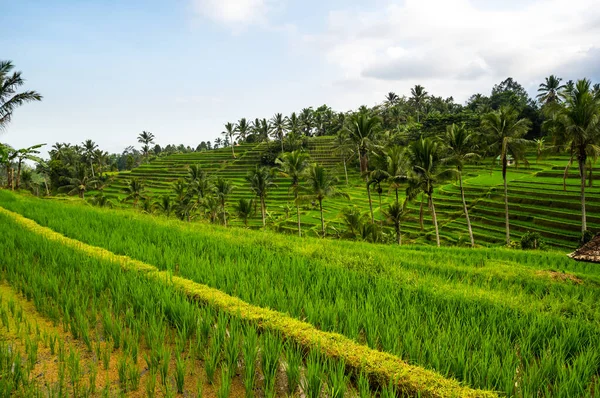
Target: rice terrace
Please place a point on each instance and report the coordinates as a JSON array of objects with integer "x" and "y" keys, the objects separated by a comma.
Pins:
[{"x": 419, "y": 246}]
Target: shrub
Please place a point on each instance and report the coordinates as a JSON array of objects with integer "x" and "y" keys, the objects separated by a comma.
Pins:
[{"x": 531, "y": 241}]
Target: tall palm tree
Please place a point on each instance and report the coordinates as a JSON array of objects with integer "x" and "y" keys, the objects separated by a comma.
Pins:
[
  {"x": 425, "y": 159},
  {"x": 306, "y": 119},
  {"x": 244, "y": 209},
  {"x": 242, "y": 128},
  {"x": 278, "y": 128},
  {"x": 397, "y": 168},
  {"x": 10, "y": 99},
  {"x": 343, "y": 146},
  {"x": 321, "y": 185},
  {"x": 505, "y": 132},
  {"x": 579, "y": 121},
  {"x": 26, "y": 154},
  {"x": 394, "y": 214},
  {"x": 362, "y": 131},
  {"x": 89, "y": 147},
  {"x": 418, "y": 98},
  {"x": 134, "y": 190},
  {"x": 146, "y": 138},
  {"x": 292, "y": 165},
  {"x": 460, "y": 148},
  {"x": 376, "y": 178},
  {"x": 229, "y": 132},
  {"x": 261, "y": 181},
  {"x": 223, "y": 189},
  {"x": 292, "y": 123},
  {"x": 391, "y": 99},
  {"x": 548, "y": 92}
]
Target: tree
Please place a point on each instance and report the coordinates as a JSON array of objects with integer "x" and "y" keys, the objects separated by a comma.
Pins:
[
  {"x": 242, "y": 128},
  {"x": 244, "y": 209},
  {"x": 134, "y": 190},
  {"x": 292, "y": 123},
  {"x": 10, "y": 99},
  {"x": 505, "y": 133},
  {"x": 539, "y": 148},
  {"x": 229, "y": 132},
  {"x": 278, "y": 128},
  {"x": 418, "y": 98},
  {"x": 376, "y": 178},
  {"x": 396, "y": 167},
  {"x": 89, "y": 147},
  {"x": 362, "y": 131},
  {"x": 391, "y": 99},
  {"x": 306, "y": 121},
  {"x": 223, "y": 189},
  {"x": 78, "y": 185},
  {"x": 261, "y": 181},
  {"x": 26, "y": 154},
  {"x": 425, "y": 159},
  {"x": 394, "y": 214},
  {"x": 343, "y": 147},
  {"x": 579, "y": 121},
  {"x": 292, "y": 165},
  {"x": 146, "y": 138},
  {"x": 321, "y": 185},
  {"x": 548, "y": 92},
  {"x": 165, "y": 204},
  {"x": 460, "y": 148}
]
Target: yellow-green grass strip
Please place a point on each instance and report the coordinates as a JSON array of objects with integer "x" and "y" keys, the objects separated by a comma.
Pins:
[{"x": 380, "y": 367}]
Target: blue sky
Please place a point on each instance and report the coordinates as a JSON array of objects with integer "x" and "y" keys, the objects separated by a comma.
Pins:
[{"x": 183, "y": 68}]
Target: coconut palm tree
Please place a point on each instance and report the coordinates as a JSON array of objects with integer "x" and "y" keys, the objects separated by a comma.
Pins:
[
  {"x": 223, "y": 189},
  {"x": 26, "y": 154},
  {"x": 354, "y": 219},
  {"x": 307, "y": 121},
  {"x": 7, "y": 158},
  {"x": 146, "y": 138},
  {"x": 540, "y": 146},
  {"x": 505, "y": 132},
  {"x": 278, "y": 128},
  {"x": 391, "y": 99},
  {"x": 165, "y": 205},
  {"x": 244, "y": 209},
  {"x": 292, "y": 165},
  {"x": 321, "y": 185},
  {"x": 134, "y": 190},
  {"x": 242, "y": 128},
  {"x": 579, "y": 121},
  {"x": 261, "y": 181},
  {"x": 229, "y": 132},
  {"x": 10, "y": 99},
  {"x": 376, "y": 178},
  {"x": 78, "y": 185},
  {"x": 342, "y": 146},
  {"x": 89, "y": 147},
  {"x": 549, "y": 91},
  {"x": 426, "y": 162},
  {"x": 419, "y": 97},
  {"x": 460, "y": 148},
  {"x": 292, "y": 123},
  {"x": 397, "y": 168},
  {"x": 394, "y": 214},
  {"x": 362, "y": 131}
]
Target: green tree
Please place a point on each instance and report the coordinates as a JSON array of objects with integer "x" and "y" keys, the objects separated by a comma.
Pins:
[
  {"x": 165, "y": 205},
  {"x": 26, "y": 154},
  {"x": 10, "y": 99},
  {"x": 78, "y": 185},
  {"x": 242, "y": 128},
  {"x": 418, "y": 99},
  {"x": 229, "y": 132},
  {"x": 549, "y": 91},
  {"x": 293, "y": 165},
  {"x": 278, "y": 128},
  {"x": 261, "y": 181},
  {"x": 321, "y": 185},
  {"x": 342, "y": 146},
  {"x": 394, "y": 214},
  {"x": 146, "y": 138},
  {"x": 89, "y": 147},
  {"x": 396, "y": 167},
  {"x": 504, "y": 132},
  {"x": 362, "y": 131},
  {"x": 223, "y": 189},
  {"x": 134, "y": 190},
  {"x": 460, "y": 148},
  {"x": 244, "y": 209}
]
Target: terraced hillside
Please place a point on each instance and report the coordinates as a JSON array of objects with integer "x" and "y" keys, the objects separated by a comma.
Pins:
[{"x": 537, "y": 200}]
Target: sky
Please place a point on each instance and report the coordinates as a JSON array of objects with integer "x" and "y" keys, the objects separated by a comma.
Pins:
[{"x": 181, "y": 69}]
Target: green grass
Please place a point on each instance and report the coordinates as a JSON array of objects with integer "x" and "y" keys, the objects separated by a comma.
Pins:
[{"x": 475, "y": 315}]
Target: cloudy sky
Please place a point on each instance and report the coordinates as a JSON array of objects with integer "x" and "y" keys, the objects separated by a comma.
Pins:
[{"x": 109, "y": 69}]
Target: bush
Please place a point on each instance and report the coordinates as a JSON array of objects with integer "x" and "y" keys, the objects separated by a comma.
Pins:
[{"x": 531, "y": 241}]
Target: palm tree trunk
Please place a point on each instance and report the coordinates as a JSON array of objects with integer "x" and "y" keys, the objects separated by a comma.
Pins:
[
  {"x": 11, "y": 176},
  {"x": 565, "y": 174},
  {"x": 92, "y": 167},
  {"x": 263, "y": 210},
  {"x": 298, "y": 214},
  {"x": 46, "y": 184},
  {"x": 421, "y": 214},
  {"x": 18, "y": 182},
  {"x": 232, "y": 150},
  {"x": 507, "y": 223},
  {"x": 370, "y": 202},
  {"x": 582, "y": 196},
  {"x": 466, "y": 210},
  {"x": 380, "y": 212},
  {"x": 281, "y": 140},
  {"x": 224, "y": 213},
  {"x": 322, "y": 219},
  {"x": 435, "y": 223},
  {"x": 345, "y": 169}
]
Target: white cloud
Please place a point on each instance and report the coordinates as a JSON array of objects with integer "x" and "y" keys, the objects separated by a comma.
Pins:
[
  {"x": 459, "y": 47},
  {"x": 233, "y": 12}
]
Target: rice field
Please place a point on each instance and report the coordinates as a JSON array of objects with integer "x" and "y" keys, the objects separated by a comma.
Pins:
[{"x": 497, "y": 321}]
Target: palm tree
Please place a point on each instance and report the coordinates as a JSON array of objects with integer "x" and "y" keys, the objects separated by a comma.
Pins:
[
  {"x": 419, "y": 96},
  {"x": 539, "y": 148},
  {"x": 397, "y": 168},
  {"x": 134, "y": 190},
  {"x": 292, "y": 165},
  {"x": 165, "y": 204},
  {"x": 78, "y": 185},
  {"x": 362, "y": 131},
  {"x": 343, "y": 146},
  {"x": 146, "y": 138},
  {"x": 26, "y": 154},
  {"x": 261, "y": 181},
  {"x": 278, "y": 128},
  {"x": 229, "y": 133},
  {"x": 292, "y": 123},
  {"x": 306, "y": 119},
  {"x": 579, "y": 121},
  {"x": 354, "y": 219},
  {"x": 223, "y": 189},
  {"x": 394, "y": 214},
  {"x": 9, "y": 98},
  {"x": 548, "y": 92},
  {"x": 391, "y": 99},
  {"x": 7, "y": 158},
  {"x": 460, "y": 148},
  {"x": 320, "y": 186},
  {"x": 425, "y": 159},
  {"x": 242, "y": 128},
  {"x": 244, "y": 209},
  {"x": 505, "y": 133},
  {"x": 89, "y": 147},
  {"x": 376, "y": 178}
]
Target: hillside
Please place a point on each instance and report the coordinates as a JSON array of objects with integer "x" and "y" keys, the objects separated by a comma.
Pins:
[{"x": 537, "y": 200}]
